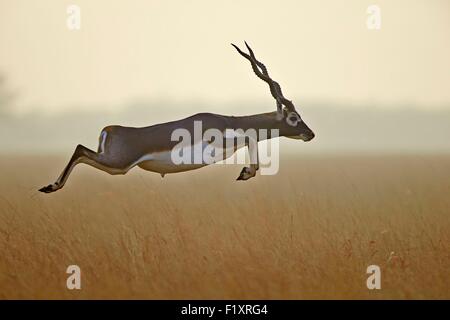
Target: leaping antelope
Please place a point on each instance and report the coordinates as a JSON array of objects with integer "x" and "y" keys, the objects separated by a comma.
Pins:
[{"x": 122, "y": 148}]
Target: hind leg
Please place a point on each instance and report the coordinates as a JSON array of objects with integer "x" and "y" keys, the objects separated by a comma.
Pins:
[{"x": 94, "y": 159}]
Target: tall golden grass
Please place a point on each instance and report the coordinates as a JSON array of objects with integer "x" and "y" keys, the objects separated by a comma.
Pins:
[{"x": 308, "y": 232}]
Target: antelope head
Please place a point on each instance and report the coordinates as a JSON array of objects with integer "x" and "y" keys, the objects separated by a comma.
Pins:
[{"x": 286, "y": 119}]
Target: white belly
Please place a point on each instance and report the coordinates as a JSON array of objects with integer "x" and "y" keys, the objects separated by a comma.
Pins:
[
  {"x": 167, "y": 166},
  {"x": 161, "y": 162}
]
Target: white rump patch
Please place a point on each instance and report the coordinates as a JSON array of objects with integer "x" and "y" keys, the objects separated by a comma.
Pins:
[{"x": 102, "y": 141}]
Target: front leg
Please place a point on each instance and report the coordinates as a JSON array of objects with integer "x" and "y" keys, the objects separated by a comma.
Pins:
[{"x": 249, "y": 172}]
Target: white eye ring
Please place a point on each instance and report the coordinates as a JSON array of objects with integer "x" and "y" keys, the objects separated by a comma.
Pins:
[{"x": 291, "y": 122}]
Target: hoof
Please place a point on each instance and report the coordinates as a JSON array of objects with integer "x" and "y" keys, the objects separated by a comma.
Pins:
[
  {"x": 246, "y": 174},
  {"x": 48, "y": 189}
]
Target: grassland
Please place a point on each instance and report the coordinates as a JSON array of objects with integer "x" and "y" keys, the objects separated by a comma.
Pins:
[{"x": 308, "y": 232}]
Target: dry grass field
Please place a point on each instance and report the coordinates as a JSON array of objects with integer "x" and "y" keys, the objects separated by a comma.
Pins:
[{"x": 308, "y": 232}]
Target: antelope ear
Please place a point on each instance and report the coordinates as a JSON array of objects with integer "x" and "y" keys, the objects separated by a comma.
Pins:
[{"x": 280, "y": 115}]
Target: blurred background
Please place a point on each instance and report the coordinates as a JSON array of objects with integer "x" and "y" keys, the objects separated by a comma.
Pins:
[{"x": 138, "y": 63}]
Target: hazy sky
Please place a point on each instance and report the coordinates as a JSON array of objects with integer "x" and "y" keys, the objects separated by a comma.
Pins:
[{"x": 180, "y": 50}]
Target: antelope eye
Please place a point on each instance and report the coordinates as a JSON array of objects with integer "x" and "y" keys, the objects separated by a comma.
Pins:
[{"x": 292, "y": 119}]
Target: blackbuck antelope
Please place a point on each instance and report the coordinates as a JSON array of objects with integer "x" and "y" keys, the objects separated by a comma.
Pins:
[{"x": 151, "y": 148}]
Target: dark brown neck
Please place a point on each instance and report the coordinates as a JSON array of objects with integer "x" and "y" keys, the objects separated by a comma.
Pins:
[{"x": 265, "y": 121}]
